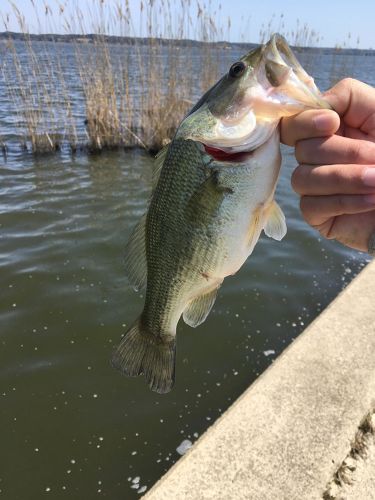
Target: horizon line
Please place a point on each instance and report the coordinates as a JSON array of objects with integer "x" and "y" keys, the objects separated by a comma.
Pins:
[{"x": 20, "y": 34}]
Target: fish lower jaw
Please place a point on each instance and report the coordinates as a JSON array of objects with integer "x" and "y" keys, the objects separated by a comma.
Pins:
[{"x": 249, "y": 143}]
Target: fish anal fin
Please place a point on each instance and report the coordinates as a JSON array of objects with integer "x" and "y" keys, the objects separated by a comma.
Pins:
[
  {"x": 199, "y": 308},
  {"x": 135, "y": 256},
  {"x": 275, "y": 226}
]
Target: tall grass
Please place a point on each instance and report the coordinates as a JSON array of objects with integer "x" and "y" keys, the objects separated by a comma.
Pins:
[
  {"x": 98, "y": 94},
  {"x": 35, "y": 83},
  {"x": 135, "y": 98},
  {"x": 342, "y": 64}
]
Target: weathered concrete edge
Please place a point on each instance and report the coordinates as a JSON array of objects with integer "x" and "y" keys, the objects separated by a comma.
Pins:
[{"x": 285, "y": 436}]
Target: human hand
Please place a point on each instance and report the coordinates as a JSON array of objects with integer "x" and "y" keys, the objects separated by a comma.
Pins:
[{"x": 336, "y": 173}]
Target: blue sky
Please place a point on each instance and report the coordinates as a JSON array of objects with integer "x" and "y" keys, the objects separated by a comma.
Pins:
[{"x": 332, "y": 20}]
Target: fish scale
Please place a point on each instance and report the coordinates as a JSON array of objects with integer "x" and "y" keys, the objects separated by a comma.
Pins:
[{"x": 169, "y": 246}]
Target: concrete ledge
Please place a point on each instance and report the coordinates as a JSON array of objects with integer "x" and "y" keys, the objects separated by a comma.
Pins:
[{"x": 289, "y": 433}]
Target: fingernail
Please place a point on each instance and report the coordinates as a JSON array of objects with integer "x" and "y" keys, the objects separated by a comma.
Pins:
[
  {"x": 323, "y": 122},
  {"x": 368, "y": 177}
]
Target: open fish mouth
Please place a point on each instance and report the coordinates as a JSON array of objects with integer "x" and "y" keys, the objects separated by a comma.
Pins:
[
  {"x": 286, "y": 87},
  {"x": 243, "y": 109},
  {"x": 278, "y": 87}
]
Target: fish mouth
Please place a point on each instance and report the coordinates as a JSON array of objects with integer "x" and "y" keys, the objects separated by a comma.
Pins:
[
  {"x": 277, "y": 87},
  {"x": 285, "y": 80},
  {"x": 239, "y": 118}
]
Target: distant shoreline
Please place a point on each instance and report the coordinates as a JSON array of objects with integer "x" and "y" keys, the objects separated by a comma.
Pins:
[{"x": 128, "y": 40}]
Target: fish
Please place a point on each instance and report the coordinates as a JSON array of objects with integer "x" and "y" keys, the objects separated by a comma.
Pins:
[{"x": 213, "y": 195}]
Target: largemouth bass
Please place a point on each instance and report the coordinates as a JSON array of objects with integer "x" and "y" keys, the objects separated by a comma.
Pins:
[{"x": 213, "y": 196}]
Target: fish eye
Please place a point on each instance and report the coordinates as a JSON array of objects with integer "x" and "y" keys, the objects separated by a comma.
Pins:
[{"x": 237, "y": 69}]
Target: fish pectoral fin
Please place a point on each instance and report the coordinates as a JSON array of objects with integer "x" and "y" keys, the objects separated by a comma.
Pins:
[
  {"x": 135, "y": 256},
  {"x": 275, "y": 226},
  {"x": 199, "y": 308},
  {"x": 209, "y": 196}
]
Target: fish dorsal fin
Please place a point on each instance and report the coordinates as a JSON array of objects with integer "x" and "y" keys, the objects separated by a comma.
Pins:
[
  {"x": 135, "y": 256},
  {"x": 199, "y": 308},
  {"x": 158, "y": 163},
  {"x": 135, "y": 250},
  {"x": 275, "y": 226}
]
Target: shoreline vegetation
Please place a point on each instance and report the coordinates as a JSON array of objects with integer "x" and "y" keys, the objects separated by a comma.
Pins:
[
  {"x": 132, "y": 41},
  {"x": 87, "y": 89}
]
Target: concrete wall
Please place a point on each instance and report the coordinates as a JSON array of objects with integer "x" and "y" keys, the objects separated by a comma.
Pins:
[{"x": 291, "y": 431}]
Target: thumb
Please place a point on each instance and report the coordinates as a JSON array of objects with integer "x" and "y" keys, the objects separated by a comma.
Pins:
[{"x": 308, "y": 124}]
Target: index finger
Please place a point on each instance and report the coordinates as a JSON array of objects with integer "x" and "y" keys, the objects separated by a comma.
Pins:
[{"x": 355, "y": 102}]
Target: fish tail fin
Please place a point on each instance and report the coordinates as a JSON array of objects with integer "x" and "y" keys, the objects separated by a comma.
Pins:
[{"x": 141, "y": 352}]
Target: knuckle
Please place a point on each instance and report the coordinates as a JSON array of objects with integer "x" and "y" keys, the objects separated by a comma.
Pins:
[
  {"x": 345, "y": 86},
  {"x": 336, "y": 176},
  {"x": 305, "y": 207},
  {"x": 348, "y": 82},
  {"x": 322, "y": 229},
  {"x": 326, "y": 228},
  {"x": 297, "y": 178},
  {"x": 341, "y": 205},
  {"x": 300, "y": 151},
  {"x": 367, "y": 152},
  {"x": 352, "y": 179},
  {"x": 345, "y": 180},
  {"x": 333, "y": 176},
  {"x": 355, "y": 152}
]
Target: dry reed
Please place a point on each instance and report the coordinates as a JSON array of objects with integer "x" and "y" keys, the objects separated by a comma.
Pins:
[{"x": 106, "y": 95}]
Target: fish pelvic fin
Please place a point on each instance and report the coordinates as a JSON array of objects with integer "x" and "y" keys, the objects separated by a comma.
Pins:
[
  {"x": 275, "y": 226},
  {"x": 141, "y": 352}
]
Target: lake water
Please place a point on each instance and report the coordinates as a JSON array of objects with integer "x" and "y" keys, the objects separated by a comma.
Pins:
[{"x": 72, "y": 427}]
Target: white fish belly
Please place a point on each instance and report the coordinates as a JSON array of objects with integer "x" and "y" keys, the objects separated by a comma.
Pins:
[{"x": 244, "y": 213}]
